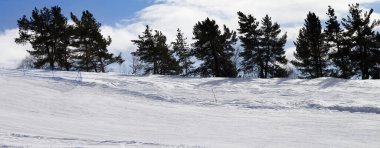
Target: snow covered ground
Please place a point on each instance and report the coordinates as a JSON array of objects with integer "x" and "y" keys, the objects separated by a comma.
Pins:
[{"x": 56, "y": 109}]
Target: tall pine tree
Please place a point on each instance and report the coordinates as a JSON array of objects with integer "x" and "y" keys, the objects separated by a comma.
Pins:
[
  {"x": 360, "y": 33},
  {"x": 47, "y": 31},
  {"x": 311, "y": 54},
  {"x": 215, "y": 49},
  {"x": 90, "y": 51},
  {"x": 250, "y": 37},
  {"x": 272, "y": 45},
  {"x": 153, "y": 50},
  {"x": 183, "y": 52},
  {"x": 338, "y": 47}
]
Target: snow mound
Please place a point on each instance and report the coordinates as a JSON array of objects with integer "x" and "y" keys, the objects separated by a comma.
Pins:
[{"x": 69, "y": 109}]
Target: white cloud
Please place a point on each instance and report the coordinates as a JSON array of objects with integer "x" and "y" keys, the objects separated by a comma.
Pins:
[
  {"x": 11, "y": 53},
  {"x": 168, "y": 15}
]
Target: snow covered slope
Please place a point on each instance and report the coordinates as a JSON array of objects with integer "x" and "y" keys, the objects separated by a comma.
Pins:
[{"x": 46, "y": 109}]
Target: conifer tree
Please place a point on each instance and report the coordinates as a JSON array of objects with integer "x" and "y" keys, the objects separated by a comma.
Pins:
[
  {"x": 311, "y": 55},
  {"x": 183, "y": 52},
  {"x": 272, "y": 45},
  {"x": 338, "y": 46},
  {"x": 153, "y": 50},
  {"x": 146, "y": 50},
  {"x": 376, "y": 70},
  {"x": 360, "y": 33},
  {"x": 250, "y": 37},
  {"x": 215, "y": 49},
  {"x": 47, "y": 31},
  {"x": 91, "y": 52},
  {"x": 167, "y": 64},
  {"x": 60, "y": 38}
]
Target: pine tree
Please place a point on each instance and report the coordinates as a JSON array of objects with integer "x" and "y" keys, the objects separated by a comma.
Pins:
[
  {"x": 215, "y": 49},
  {"x": 273, "y": 49},
  {"x": 153, "y": 50},
  {"x": 60, "y": 38},
  {"x": 146, "y": 51},
  {"x": 338, "y": 47},
  {"x": 183, "y": 52},
  {"x": 47, "y": 31},
  {"x": 311, "y": 54},
  {"x": 167, "y": 64},
  {"x": 376, "y": 70},
  {"x": 362, "y": 38},
  {"x": 250, "y": 37},
  {"x": 91, "y": 52}
]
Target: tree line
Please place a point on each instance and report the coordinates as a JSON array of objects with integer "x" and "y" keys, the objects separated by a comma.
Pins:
[
  {"x": 344, "y": 49},
  {"x": 215, "y": 48},
  {"x": 59, "y": 45}
]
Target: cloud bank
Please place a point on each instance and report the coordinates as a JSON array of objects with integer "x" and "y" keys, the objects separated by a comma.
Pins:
[{"x": 168, "y": 15}]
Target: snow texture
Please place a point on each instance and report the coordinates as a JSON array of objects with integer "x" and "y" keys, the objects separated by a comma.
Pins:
[{"x": 70, "y": 109}]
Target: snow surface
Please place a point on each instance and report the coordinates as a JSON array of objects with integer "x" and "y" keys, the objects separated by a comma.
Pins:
[{"x": 69, "y": 109}]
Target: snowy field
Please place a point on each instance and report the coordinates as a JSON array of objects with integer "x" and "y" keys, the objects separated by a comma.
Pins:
[{"x": 46, "y": 109}]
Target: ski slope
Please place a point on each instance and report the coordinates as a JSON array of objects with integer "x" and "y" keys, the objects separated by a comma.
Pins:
[{"x": 67, "y": 109}]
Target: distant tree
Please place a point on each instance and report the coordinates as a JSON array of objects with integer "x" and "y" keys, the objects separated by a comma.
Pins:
[
  {"x": 60, "y": 38},
  {"x": 137, "y": 66},
  {"x": 272, "y": 45},
  {"x": 311, "y": 54},
  {"x": 252, "y": 55},
  {"x": 376, "y": 70},
  {"x": 263, "y": 46},
  {"x": 338, "y": 46},
  {"x": 27, "y": 62},
  {"x": 90, "y": 51},
  {"x": 153, "y": 50},
  {"x": 360, "y": 33},
  {"x": 47, "y": 31},
  {"x": 168, "y": 65},
  {"x": 183, "y": 52},
  {"x": 215, "y": 49}
]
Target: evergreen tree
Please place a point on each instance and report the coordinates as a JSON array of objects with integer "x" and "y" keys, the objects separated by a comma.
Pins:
[
  {"x": 361, "y": 35},
  {"x": 91, "y": 52},
  {"x": 215, "y": 49},
  {"x": 273, "y": 49},
  {"x": 153, "y": 50},
  {"x": 47, "y": 31},
  {"x": 60, "y": 38},
  {"x": 167, "y": 64},
  {"x": 183, "y": 52},
  {"x": 376, "y": 70},
  {"x": 146, "y": 51},
  {"x": 250, "y": 37},
  {"x": 311, "y": 55},
  {"x": 338, "y": 46}
]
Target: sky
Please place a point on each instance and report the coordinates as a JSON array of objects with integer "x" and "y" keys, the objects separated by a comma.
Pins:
[{"x": 124, "y": 20}]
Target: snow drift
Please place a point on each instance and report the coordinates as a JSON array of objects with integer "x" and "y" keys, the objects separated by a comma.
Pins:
[{"x": 70, "y": 109}]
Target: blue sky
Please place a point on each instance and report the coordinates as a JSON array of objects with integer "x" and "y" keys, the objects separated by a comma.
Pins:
[
  {"x": 105, "y": 11},
  {"x": 166, "y": 16}
]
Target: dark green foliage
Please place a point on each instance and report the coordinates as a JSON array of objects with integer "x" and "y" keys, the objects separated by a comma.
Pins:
[
  {"x": 311, "y": 54},
  {"x": 375, "y": 73},
  {"x": 90, "y": 51},
  {"x": 183, "y": 52},
  {"x": 273, "y": 47},
  {"x": 263, "y": 46},
  {"x": 250, "y": 38},
  {"x": 50, "y": 36},
  {"x": 48, "y": 33},
  {"x": 153, "y": 50},
  {"x": 339, "y": 47},
  {"x": 361, "y": 36},
  {"x": 215, "y": 49}
]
